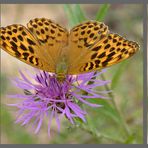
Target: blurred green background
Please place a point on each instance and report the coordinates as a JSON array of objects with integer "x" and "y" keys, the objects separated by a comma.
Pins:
[{"x": 121, "y": 119}]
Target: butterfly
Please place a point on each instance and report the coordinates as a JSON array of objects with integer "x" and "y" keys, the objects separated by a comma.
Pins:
[{"x": 48, "y": 46}]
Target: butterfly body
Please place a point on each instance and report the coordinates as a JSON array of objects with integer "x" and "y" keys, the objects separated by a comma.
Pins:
[
  {"x": 61, "y": 67},
  {"x": 46, "y": 45}
]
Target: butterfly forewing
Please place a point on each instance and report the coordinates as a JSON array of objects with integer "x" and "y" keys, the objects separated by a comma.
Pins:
[
  {"x": 20, "y": 43},
  {"x": 109, "y": 50}
]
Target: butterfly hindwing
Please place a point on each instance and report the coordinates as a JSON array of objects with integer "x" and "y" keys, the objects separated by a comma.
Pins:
[{"x": 51, "y": 35}]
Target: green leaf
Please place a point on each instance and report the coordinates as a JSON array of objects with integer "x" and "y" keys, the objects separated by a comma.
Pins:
[
  {"x": 102, "y": 12},
  {"x": 70, "y": 14},
  {"x": 79, "y": 13},
  {"x": 74, "y": 13}
]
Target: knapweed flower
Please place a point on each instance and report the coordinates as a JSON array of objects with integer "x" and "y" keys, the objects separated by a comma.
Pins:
[{"x": 47, "y": 97}]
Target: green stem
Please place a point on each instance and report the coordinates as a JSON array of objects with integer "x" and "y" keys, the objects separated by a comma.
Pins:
[
  {"x": 98, "y": 135},
  {"x": 116, "y": 108}
]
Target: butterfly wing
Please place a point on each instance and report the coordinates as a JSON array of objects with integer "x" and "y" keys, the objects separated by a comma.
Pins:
[
  {"x": 38, "y": 45},
  {"x": 107, "y": 50},
  {"x": 51, "y": 35},
  {"x": 90, "y": 47},
  {"x": 20, "y": 43}
]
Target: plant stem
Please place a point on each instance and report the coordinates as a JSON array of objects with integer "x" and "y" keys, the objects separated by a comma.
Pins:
[
  {"x": 98, "y": 135},
  {"x": 115, "y": 106}
]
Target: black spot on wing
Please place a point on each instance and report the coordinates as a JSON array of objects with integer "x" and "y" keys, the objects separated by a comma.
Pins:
[
  {"x": 91, "y": 35},
  {"x": 107, "y": 46},
  {"x": 31, "y": 49},
  {"x": 40, "y": 24},
  {"x": 25, "y": 54},
  {"x": 114, "y": 40},
  {"x": 14, "y": 39},
  {"x": 23, "y": 47},
  {"x": 20, "y": 37},
  {"x": 83, "y": 27},
  {"x": 86, "y": 65},
  {"x": 4, "y": 44},
  {"x": 37, "y": 61},
  {"x": 111, "y": 54},
  {"x": 24, "y": 33},
  {"x": 97, "y": 62},
  {"x": 123, "y": 50},
  {"x": 94, "y": 56},
  {"x": 96, "y": 48},
  {"x": 31, "y": 59},
  {"x": 30, "y": 41},
  {"x": 118, "y": 44},
  {"x": 91, "y": 66},
  {"x": 9, "y": 32},
  {"x": 3, "y": 38},
  {"x": 14, "y": 30},
  {"x": 52, "y": 31},
  {"x": 13, "y": 45},
  {"x": 112, "y": 49},
  {"x": 105, "y": 41},
  {"x": 34, "y": 25},
  {"x": 102, "y": 55}
]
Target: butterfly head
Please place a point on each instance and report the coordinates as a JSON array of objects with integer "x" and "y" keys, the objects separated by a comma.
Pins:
[{"x": 61, "y": 77}]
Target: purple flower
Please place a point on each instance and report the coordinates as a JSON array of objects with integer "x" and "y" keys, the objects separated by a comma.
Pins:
[{"x": 44, "y": 96}]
